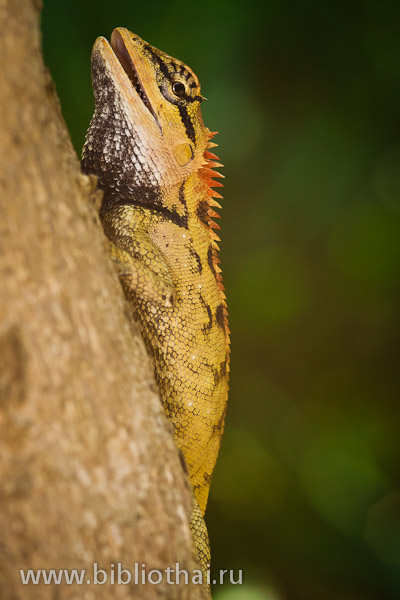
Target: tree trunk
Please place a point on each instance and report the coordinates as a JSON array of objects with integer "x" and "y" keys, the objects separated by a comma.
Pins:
[{"x": 89, "y": 471}]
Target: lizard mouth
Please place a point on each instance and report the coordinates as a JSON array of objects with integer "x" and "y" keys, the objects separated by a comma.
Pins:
[{"x": 126, "y": 62}]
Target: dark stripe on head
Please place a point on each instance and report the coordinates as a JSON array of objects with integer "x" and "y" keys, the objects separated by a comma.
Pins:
[
  {"x": 194, "y": 99},
  {"x": 179, "y": 69},
  {"x": 158, "y": 61},
  {"x": 187, "y": 121}
]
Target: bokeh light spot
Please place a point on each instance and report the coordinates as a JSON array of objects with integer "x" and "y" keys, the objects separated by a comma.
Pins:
[{"x": 246, "y": 592}]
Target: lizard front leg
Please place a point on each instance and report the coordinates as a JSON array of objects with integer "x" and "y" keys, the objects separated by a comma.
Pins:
[
  {"x": 141, "y": 274},
  {"x": 141, "y": 267}
]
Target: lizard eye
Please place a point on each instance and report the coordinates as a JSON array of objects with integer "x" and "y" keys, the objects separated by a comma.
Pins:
[{"x": 179, "y": 89}]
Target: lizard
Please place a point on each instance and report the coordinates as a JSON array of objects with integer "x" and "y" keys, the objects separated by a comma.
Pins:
[{"x": 153, "y": 158}]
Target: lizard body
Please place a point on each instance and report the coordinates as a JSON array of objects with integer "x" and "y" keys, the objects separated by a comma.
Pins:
[{"x": 151, "y": 152}]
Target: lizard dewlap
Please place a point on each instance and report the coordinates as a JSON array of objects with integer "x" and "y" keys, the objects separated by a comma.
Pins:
[{"x": 149, "y": 148}]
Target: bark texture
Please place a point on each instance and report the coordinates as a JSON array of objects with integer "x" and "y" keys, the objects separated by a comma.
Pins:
[{"x": 89, "y": 472}]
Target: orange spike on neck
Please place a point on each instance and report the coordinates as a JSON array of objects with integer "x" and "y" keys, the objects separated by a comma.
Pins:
[
  {"x": 207, "y": 173},
  {"x": 210, "y": 155}
]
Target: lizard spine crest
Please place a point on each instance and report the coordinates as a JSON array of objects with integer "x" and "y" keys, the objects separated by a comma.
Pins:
[{"x": 208, "y": 173}]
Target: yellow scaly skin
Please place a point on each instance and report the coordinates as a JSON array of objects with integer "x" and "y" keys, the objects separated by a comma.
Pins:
[{"x": 151, "y": 152}]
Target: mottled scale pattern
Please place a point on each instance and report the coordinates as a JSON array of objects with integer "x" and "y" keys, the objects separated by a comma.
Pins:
[{"x": 152, "y": 155}]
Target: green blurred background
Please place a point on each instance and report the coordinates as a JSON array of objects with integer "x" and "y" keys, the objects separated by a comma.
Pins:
[{"x": 306, "y": 96}]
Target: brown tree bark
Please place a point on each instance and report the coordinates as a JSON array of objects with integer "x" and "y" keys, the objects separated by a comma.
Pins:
[{"x": 89, "y": 472}]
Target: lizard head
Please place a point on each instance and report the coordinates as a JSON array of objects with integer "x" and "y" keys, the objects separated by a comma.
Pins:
[{"x": 147, "y": 119}]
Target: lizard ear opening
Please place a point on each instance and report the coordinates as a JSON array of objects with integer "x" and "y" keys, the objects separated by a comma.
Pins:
[{"x": 183, "y": 154}]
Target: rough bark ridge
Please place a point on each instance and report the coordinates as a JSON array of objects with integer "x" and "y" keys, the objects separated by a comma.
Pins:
[{"x": 89, "y": 471}]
